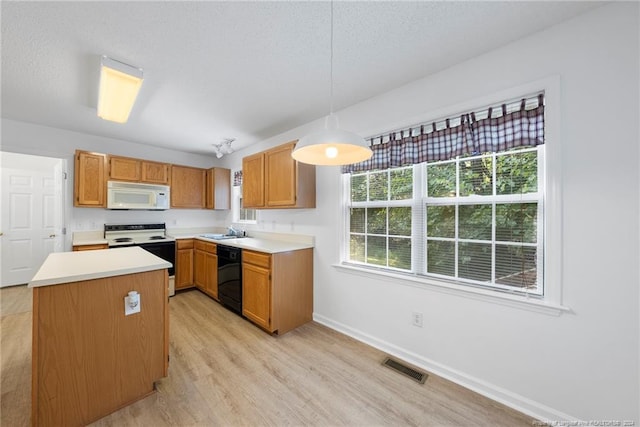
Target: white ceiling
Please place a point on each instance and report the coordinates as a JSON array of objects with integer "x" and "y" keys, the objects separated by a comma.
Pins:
[{"x": 246, "y": 70}]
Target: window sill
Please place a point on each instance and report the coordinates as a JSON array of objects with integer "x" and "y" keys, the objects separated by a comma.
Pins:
[{"x": 516, "y": 301}]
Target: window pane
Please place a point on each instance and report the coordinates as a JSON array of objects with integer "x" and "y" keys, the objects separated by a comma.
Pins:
[
  {"x": 441, "y": 221},
  {"x": 400, "y": 221},
  {"x": 356, "y": 220},
  {"x": 377, "y": 250},
  {"x": 516, "y": 222},
  {"x": 441, "y": 180},
  {"x": 441, "y": 257},
  {"x": 377, "y": 220},
  {"x": 474, "y": 261},
  {"x": 402, "y": 184},
  {"x": 517, "y": 173},
  {"x": 516, "y": 266},
  {"x": 359, "y": 188},
  {"x": 356, "y": 248},
  {"x": 476, "y": 177},
  {"x": 379, "y": 186},
  {"x": 475, "y": 222},
  {"x": 400, "y": 253}
]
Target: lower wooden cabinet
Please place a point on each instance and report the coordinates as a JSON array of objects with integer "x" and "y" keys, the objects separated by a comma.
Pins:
[
  {"x": 277, "y": 289},
  {"x": 205, "y": 267},
  {"x": 184, "y": 264},
  {"x": 89, "y": 247}
]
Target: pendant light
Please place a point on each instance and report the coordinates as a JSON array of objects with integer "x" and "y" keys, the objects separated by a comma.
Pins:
[{"x": 331, "y": 146}]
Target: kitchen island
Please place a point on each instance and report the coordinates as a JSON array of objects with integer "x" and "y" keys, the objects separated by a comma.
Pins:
[{"x": 89, "y": 358}]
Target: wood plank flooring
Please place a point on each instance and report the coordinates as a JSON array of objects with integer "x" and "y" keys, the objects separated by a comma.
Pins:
[{"x": 226, "y": 372}]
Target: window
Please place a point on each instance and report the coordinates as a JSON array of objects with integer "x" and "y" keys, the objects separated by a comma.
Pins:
[
  {"x": 240, "y": 214},
  {"x": 475, "y": 219}
]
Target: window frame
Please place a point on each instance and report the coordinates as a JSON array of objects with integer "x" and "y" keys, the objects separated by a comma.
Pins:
[{"x": 551, "y": 175}]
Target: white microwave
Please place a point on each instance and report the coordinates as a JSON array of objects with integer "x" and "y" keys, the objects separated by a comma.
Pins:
[{"x": 131, "y": 195}]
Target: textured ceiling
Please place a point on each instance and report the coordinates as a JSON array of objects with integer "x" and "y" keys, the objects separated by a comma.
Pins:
[{"x": 246, "y": 70}]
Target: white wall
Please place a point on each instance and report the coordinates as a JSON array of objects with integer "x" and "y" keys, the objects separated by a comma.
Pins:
[{"x": 579, "y": 365}]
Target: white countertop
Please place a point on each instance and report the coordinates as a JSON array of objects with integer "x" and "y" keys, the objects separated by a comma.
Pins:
[
  {"x": 260, "y": 245},
  {"x": 65, "y": 267},
  {"x": 94, "y": 237},
  {"x": 264, "y": 242}
]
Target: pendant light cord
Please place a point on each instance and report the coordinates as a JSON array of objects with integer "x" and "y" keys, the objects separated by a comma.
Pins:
[{"x": 331, "y": 66}]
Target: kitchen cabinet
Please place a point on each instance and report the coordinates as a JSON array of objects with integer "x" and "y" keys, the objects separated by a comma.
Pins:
[
  {"x": 205, "y": 268},
  {"x": 138, "y": 170},
  {"x": 188, "y": 186},
  {"x": 124, "y": 169},
  {"x": 89, "y": 179},
  {"x": 155, "y": 173},
  {"x": 218, "y": 188},
  {"x": 88, "y": 358},
  {"x": 272, "y": 179},
  {"x": 277, "y": 289},
  {"x": 90, "y": 247},
  {"x": 184, "y": 264}
]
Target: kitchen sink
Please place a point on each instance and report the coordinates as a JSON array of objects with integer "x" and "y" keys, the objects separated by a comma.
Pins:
[{"x": 220, "y": 236}]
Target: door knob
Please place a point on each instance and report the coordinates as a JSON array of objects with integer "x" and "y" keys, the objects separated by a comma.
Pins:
[{"x": 52, "y": 235}]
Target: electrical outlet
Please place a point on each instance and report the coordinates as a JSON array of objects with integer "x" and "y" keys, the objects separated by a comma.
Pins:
[
  {"x": 132, "y": 303},
  {"x": 416, "y": 319}
]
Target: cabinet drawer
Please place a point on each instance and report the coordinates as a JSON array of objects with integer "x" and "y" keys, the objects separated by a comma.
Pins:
[
  {"x": 184, "y": 244},
  {"x": 257, "y": 258},
  {"x": 205, "y": 246}
]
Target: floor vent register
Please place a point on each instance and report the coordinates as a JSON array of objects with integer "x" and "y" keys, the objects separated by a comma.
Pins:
[{"x": 415, "y": 375}]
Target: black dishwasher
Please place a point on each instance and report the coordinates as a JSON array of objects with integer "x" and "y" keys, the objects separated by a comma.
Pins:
[{"x": 230, "y": 277}]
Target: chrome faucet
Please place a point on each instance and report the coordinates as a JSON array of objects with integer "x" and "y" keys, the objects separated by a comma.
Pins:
[{"x": 237, "y": 233}]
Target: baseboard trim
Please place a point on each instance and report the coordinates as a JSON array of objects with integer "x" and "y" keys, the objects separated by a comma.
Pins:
[{"x": 513, "y": 400}]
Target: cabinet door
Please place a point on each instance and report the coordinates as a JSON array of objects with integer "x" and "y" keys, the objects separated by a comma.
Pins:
[
  {"x": 90, "y": 180},
  {"x": 184, "y": 268},
  {"x": 256, "y": 294},
  {"x": 218, "y": 188},
  {"x": 253, "y": 181},
  {"x": 211, "y": 275},
  {"x": 187, "y": 187},
  {"x": 124, "y": 169},
  {"x": 199, "y": 269},
  {"x": 280, "y": 172},
  {"x": 155, "y": 173}
]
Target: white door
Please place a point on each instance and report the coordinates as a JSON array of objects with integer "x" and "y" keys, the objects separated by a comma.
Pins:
[{"x": 31, "y": 214}]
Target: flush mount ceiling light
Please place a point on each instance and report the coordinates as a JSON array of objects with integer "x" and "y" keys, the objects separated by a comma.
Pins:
[
  {"x": 224, "y": 147},
  {"x": 331, "y": 146},
  {"x": 119, "y": 86}
]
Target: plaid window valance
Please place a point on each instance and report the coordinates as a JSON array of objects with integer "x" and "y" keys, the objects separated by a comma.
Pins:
[{"x": 471, "y": 133}]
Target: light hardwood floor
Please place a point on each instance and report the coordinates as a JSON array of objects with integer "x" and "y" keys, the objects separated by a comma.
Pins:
[{"x": 225, "y": 372}]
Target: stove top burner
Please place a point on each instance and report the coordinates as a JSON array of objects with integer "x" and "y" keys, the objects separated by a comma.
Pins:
[
  {"x": 157, "y": 237},
  {"x": 123, "y": 239}
]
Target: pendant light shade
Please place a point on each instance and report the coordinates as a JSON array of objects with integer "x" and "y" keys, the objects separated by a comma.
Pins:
[{"x": 332, "y": 146}]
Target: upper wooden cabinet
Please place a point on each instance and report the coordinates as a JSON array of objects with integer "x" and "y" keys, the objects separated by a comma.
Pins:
[
  {"x": 218, "y": 188},
  {"x": 155, "y": 173},
  {"x": 124, "y": 169},
  {"x": 273, "y": 179},
  {"x": 137, "y": 170},
  {"x": 188, "y": 187},
  {"x": 89, "y": 179},
  {"x": 253, "y": 181}
]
